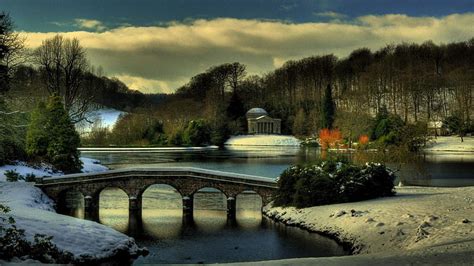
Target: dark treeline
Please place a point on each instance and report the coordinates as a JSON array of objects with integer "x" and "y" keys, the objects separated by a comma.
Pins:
[
  {"x": 27, "y": 88},
  {"x": 418, "y": 82}
]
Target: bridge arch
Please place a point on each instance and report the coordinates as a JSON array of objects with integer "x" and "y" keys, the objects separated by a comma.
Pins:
[
  {"x": 201, "y": 202},
  {"x": 152, "y": 194},
  {"x": 105, "y": 194},
  {"x": 70, "y": 201},
  {"x": 171, "y": 185},
  {"x": 249, "y": 193},
  {"x": 219, "y": 187}
]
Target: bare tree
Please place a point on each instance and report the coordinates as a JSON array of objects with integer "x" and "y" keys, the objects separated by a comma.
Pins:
[
  {"x": 12, "y": 50},
  {"x": 63, "y": 64}
]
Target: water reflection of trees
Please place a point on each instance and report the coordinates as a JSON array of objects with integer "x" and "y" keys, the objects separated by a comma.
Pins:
[{"x": 410, "y": 167}]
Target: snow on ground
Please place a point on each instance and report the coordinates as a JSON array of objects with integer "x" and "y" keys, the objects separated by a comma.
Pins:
[
  {"x": 91, "y": 165},
  {"x": 451, "y": 144},
  {"x": 34, "y": 212},
  {"x": 88, "y": 166},
  {"x": 263, "y": 140},
  {"x": 427, "y": 225}
]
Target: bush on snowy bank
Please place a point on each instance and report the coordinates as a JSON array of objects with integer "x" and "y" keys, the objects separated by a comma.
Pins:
[
  {"x": 333, "y": 182},
  {"x": 13, "y": 176},
  {"x": 13, "y": 243}
]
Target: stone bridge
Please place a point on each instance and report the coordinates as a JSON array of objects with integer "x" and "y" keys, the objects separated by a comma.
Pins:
[{"x": 134, "y": 182}]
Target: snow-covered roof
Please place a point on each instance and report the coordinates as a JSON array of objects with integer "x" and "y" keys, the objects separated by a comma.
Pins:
[
  {"x": 256, "y": 112},
  {"x": 259, "y": 111}
]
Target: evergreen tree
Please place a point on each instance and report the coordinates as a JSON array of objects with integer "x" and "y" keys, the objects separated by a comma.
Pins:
[
  {"x": 51, "y": 136},
  {"x": 64, "y": 140},
  {"x": 37, "y": 138},
  {"x": 328, "y": 109}
]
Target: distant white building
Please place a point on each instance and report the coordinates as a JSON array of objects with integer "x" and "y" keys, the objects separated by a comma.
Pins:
[
  {"x": 436, "y": 128},
  {"x": 259, "y": 122}
]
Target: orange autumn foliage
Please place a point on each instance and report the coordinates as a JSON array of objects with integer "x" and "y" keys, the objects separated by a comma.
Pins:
[
  {"x": 363, "y": 140},
  {"x": 330, "y": 138}
]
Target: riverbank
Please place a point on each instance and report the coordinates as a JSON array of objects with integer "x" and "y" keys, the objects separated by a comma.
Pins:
[
  {"x": 451, "y": 144},
  {"x": 420, "y": 225}
]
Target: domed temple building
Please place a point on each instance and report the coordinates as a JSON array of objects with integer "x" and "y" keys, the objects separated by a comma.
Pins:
[{"x": 259, "y": 122}]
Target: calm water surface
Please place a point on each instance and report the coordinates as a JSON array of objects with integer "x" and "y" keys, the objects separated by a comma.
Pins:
[
  {"x": 210, "y": 237},
  {"x": 429, "y": 169}
]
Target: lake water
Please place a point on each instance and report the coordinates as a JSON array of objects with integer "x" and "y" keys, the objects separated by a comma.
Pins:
[
  {"x": 428, "y": 169},
  {"x": 210, "y": 237}
]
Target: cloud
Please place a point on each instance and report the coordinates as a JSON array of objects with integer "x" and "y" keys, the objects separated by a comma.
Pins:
[
  {"x": 330, "y": 15},
  {"x": 89, "y": 24},
  {"x": 162, "y": 58},
  {"x": 145, "y": 85}
]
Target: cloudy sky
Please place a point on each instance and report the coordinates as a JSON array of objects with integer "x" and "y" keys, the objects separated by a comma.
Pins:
[{"x": 157, "y": 45}]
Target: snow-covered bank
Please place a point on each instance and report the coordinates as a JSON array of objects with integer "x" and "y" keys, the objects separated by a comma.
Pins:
[
  {"x": 86, "y": 240},
  {"x": 418, "y": 225},
  {"x": 88, "y": 166},
  {"x": 451, "y": 144},
  {"x": 263, "y": 140}
]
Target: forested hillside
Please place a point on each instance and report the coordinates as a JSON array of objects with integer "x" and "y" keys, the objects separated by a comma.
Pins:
[{"x": 418, "y": 82}]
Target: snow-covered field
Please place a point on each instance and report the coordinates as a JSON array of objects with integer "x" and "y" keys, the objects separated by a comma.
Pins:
[
  {"x": 34, "y": 212},
  {"x": 451, "y": 144},
  {"x": 88, "y": 166},
  {"x": 263, "y": 140},
  {"x": 425, "y": 225}
]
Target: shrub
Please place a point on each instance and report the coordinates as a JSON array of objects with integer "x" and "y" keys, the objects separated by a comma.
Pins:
[
  {"x": 197, "y": 133},
  {"x": 363, "y": 140},
  {"x": 12, "y": 176},
  {"x": 30, "y": 177},
  {"x": 386, "y": 124},
  {"x": 176, "y": 138},
  {"x": 333, "y": 182},
  {"x": 286, "y": 185},
  {"x": 329, "y": 138}
]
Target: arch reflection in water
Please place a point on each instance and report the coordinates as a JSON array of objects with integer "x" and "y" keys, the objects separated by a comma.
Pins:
[
  {"x": 210, "y": 209},
  {"x": 249, "y": 209},
  {"x": 162, "y": 212},
  {"x": 113, "y": 204},
  {"x": 72, "y": 203}
]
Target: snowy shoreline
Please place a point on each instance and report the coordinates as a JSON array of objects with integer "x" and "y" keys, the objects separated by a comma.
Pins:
[
  {"x": 450, "y": 144},
  {"x": 263, "y": 140},
  {"x": 418, "y": 225},
  {"x": 34, "y": 212}
]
